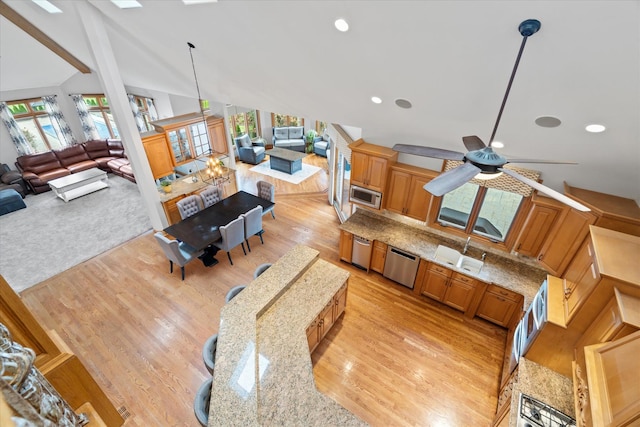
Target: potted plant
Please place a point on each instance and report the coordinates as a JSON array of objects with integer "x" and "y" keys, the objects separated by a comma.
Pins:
[
  {"x": 310, "y": 136},
  {"x": 166, "y": 185}
]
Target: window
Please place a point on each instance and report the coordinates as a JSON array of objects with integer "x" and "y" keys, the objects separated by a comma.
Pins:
[
  {"x": 34, "y": 122},
  {"x": 98, "y": 107},
  {"x": 320, "y": 127},
  {"x": 144, "y": 104},
  {"x": 248, "y": 122},
  {"x": 279, "y": 120},
  {"x": 483, "y": 211}
]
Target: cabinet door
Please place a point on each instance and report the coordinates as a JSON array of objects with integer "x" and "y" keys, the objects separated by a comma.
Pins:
[
  {"x": 340, "y": 302},
  {"x": 460, "y": 293},
  {"x": 359, "y": 168},
  {"x": 325, "y": 320},
  {"x": 159, "y": 156},
  {"x": 417, "y": 204},
  {"x": 378, "y": 256},
  {"x": 171, "y": 210},
  {"x": 581, "y": 278},
  {"x": 435, "y": 285},
  {"x": 312, "y": 335},
  {"x": 536, "y": 229},
  {"x": 565, "y": 240},
  {"x": 346, "y": 245},
  {"x": 398, "y": 192},
  {"x": 496, "y": 308},
  {"x": 218, "y": 136},
  {"x": 377, "y": 176}
]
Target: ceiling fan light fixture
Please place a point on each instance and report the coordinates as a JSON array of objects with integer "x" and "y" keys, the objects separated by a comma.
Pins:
[
  {"x": 497, "y": 144},
  {"x": 485, "y": 176},
  {"x": 341, "y": 25},
  {"x": 595, "y": 128}
]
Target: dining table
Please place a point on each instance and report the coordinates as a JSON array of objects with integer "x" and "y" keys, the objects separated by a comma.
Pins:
[{"x": 201, "y": 229}]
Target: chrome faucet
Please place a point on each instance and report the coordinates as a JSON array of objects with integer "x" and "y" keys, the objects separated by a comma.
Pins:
[{"x": 466, "y": 245}]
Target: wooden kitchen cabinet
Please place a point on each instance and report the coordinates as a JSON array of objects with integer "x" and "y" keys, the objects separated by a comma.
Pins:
[
  {"x": 499, "y": 305},
  {"x": 217, "y": 134},
  {"x": 312, "y": 335},
  {"x": 325, "y": 320},
  {"x": 504, "y": 401},
  {"x": 370, "y": 165},
  {"x": 158, "y": 154},
  {"x": 543, "y": 215},
  {"x": 451, "y": 288},
  {"x": 334, "y": 308},
  {"x": 171, "y": 209},
  {"x": 405, "y": 194},
  {"x": 346, "y": 246},
  {"x": 340, "y": 302},
  {"x": 378, "y": 256},
  {"x": 580, "y": 278}
]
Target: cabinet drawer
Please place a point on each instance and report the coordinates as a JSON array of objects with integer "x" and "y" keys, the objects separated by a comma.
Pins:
[
  {"x": 504, "y": 293},
  {"x": 441, "y": 270},
  {"x": 462, "y": 278}
]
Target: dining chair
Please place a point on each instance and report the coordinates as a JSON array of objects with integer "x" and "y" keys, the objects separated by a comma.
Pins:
[
  {"x": 190, "y": 205},
  {"x": 210, "y": 196},
  {"x": 253, "y": 225},
  {"x": 266, "y": 190},
  {"x": 233, "y": 292},
  {"x": 261, "y": 269},
  {"x": 202, "y": 401},
  {"x": 178, "y": 252},
  {"x": 232, "y": 236}
]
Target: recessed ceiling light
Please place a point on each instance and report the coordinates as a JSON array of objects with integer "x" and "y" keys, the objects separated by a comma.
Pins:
[
  {"x": 188, "y": 2},
  {"x": 497, "y": 144},
  {"x": 341, "y": 25},
  {"x": 595, "y": 128},
  {"x": 126, "y": 4},
  {"x": 548, "y": 121},
  {"x": 376, "y": 100},
  {"x": 403, "y": 103},
  {"x": 47, "y": 5}
]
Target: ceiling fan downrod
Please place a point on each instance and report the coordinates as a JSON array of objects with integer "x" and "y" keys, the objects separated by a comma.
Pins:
[{"x": 527, "y": 28}]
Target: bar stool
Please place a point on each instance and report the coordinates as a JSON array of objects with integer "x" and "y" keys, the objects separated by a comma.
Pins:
[
  {"x": 233, "y": 292},
  {"x": 201, "y": 402},
  {"x": 261, "y": 269},
  {"x": 209, "y": 353}
]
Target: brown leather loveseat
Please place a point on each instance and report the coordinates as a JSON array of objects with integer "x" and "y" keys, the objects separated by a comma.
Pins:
[{"x": 38, "y": 169}]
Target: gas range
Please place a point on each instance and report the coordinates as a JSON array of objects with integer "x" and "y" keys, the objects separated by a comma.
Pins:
[{"x": 533, "y": 413}]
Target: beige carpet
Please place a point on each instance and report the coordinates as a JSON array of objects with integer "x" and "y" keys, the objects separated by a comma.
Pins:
[{"x": 296, "y": 178}]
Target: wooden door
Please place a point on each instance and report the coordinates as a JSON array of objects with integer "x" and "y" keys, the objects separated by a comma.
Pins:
[{"x": 377, "y": 176}]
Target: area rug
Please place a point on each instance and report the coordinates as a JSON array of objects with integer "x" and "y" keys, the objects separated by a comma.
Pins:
[
  {"x": 296, "y": 178},
  {"x": 51, "y": 236}
]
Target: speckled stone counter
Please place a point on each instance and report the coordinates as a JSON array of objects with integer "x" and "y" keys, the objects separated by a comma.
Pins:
[
  {"x": 263, "y": 374},
  {"x": 544, "y": 385},
  {"x": 516, "y": 275}
]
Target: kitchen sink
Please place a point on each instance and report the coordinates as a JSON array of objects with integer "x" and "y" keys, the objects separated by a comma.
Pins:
[{"x": 446, "y": 255}]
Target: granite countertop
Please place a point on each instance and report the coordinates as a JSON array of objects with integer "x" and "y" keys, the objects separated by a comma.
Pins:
[
  {"x": 263, "y": 373},
  {"x": 180, "y": 187},
  {"x": 544, "y": 385},
  {"x": 517, "y": 275}
]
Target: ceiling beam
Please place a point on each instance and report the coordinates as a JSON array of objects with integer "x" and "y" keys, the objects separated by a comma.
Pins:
[{"x": 41, "y": 37}]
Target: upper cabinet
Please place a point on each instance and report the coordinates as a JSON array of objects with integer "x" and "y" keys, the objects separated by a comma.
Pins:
[
  {"x": 181, "y": 139},
  {"x": 405, "y": 194},
  {"x": 542, "y": 217},
  {"x": 370, "y": 165}
]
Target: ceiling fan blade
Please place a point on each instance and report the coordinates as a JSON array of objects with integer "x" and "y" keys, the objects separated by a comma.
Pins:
[
  {"x": 436, "y": 153},
  {"x": 473, "y": 143},
  {"x": 546, "y": 190},
  {"x": 452, "y": 179},
  {"x": 555, "y": 162}
]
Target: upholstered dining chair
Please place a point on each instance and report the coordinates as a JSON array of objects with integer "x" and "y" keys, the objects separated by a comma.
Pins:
[
  {"x": 253, "y": 225},
  {"x": 189, "y": 205},
  {"x": 261, "y": 269},
  {"x": 232, "y": 236},
  {"x": 202, "y": 401},
  {"x": 210, "y": 196},
  {"x": 209, "y": 353},
  {"x": 177, "y": 252},
  {"x": 233, "y": 292},
  {"x": 266, "y": 190}
]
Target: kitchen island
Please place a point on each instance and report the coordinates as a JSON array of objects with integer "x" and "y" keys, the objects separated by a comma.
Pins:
[
  {"x": 263, "y": 373},
  {"x": 521, "y": 277}
]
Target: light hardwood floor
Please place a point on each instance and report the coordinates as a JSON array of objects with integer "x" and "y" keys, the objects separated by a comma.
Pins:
[{"x": 392, "y": 359}]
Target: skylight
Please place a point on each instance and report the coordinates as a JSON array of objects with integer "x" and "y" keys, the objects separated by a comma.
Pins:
[
  {"x": 47, "y": 5},
  {"x": 126, "y": 4}
]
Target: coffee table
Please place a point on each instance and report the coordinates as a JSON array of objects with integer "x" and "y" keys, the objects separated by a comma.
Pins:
[
  {"x": 287, "y": 161},
  {"x": 79, "y": 184}
]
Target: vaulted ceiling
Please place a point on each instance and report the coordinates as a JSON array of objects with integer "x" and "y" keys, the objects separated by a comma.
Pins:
[{"x": 451, "y": 60}]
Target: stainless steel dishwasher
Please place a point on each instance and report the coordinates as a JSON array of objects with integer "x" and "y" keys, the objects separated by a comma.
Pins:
[
  {"x": 401, "y": 266},
  {"x": 361, "y": 254}
]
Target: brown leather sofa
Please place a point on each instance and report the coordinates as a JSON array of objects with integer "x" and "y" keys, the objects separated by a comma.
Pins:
[{"x": 38, "y": 169}]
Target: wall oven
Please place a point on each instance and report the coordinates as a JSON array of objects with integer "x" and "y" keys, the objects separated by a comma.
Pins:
[
  {"x": 530, "y": 325},
  {"x": 365, "y": 197}
]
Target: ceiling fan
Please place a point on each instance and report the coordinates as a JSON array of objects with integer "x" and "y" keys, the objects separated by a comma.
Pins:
[{"x": 481, "y": 159}]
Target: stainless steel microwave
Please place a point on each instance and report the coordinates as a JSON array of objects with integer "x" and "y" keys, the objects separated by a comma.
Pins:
[{"x": 365, "y": 197}]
